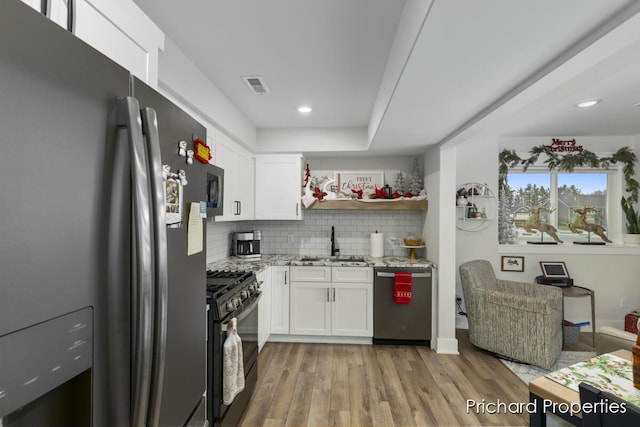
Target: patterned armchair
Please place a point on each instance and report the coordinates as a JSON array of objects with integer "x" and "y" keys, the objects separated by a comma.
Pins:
[{"x": 521, "y": 321}]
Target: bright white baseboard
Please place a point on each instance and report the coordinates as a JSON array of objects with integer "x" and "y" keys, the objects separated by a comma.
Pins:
[{"x": 446, "y": 346}]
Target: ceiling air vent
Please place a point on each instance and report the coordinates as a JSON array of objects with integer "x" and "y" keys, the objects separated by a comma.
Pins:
[{"x": 256, "y": 84}]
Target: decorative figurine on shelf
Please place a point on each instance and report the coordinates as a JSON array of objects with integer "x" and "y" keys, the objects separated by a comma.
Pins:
[
  {"x": 461, "y": 197},
  {"x": 416, "y": 184},
  {"x": 378, "y": 193},
  {"x": 388, "y": 191},
  {"x": 400, "y": 183},
  {"x": 307, "y": 175},
  {"x": 330, "y": 190},
  {"x": 308, "y": 199},
  {"x": 581, "y": 223},
  {"x": 535, "y": 223},
  {"x": 319, "y": 194}
]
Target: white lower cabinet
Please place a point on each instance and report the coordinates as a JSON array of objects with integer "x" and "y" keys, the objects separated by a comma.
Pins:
[
  {"x": 310, "y": 308},
  {"x": 352, "y": 310},
  {"x": 321, "y": 306},
  {"x": 279, "y": 300},
  {"x": 264, "y": 307}
]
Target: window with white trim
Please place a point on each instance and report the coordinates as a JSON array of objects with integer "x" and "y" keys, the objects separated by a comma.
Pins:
[{"x": 564, "y": 200}]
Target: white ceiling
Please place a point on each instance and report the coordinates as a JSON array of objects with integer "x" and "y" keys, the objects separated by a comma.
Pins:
[{"x": 468, "y": 61}]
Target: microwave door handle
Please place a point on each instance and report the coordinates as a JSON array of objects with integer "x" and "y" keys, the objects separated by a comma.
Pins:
[
  {"x": 244, "y": 314},
  {"x": 128, "y": 116},
  {"x": 150, "y": 130},
  {"x": 250, "y": 247}
]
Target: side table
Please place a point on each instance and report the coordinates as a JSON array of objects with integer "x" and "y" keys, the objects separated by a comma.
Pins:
[{"x": 581, "y": 291}]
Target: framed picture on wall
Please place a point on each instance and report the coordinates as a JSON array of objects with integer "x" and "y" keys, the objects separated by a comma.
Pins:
[
  {"x": 554, "y": 270},
  {"x": 512, "y": 263}
]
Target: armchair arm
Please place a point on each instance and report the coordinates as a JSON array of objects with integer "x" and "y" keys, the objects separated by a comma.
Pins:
[
  {"x": 530, "y": 289},
  {"x": 523, "y": 302}
]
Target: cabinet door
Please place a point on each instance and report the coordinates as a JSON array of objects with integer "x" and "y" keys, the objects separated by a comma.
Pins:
[
  {"x": 352, "y": 274},
  {"x": 278, "y": 187},
  {"x": 120, "y": 31},
  {"x": 310, "y": 312},
  {"x": 244, "y": 166},
  {"x": 264, "y": 307},
  {"x": 279, "y": 300},
  {"x": 311, "y": 274},
  {"x": 352, "y": 309},
  {"x": 238, "y": 165},
  {"x": 225, "y": 158}
]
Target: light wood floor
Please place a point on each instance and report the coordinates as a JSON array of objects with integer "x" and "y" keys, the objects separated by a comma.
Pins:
[{"x": 369, "y": 385}]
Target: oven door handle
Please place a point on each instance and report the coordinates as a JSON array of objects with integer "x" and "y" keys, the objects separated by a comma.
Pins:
[{"x": 244, "y": 313}]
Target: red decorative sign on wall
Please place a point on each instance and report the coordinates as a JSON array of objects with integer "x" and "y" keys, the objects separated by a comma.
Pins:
[{"x": 564, "y": 145}]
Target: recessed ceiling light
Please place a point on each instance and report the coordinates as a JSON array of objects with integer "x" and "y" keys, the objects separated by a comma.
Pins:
[
  {"x": 586, "y": 103},
  {"x": 304, "y": 109}
]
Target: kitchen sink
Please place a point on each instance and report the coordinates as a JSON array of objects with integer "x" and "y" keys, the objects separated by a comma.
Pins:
[
  {"x": 311, "y": 258},
  {"x": 347, "y": 259}
]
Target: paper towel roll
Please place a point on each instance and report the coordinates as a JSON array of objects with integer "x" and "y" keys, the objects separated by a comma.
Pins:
[{"x": 377, "y": 245}]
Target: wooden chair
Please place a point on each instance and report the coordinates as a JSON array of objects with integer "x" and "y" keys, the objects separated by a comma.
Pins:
[{"x": 605, "y": 403}]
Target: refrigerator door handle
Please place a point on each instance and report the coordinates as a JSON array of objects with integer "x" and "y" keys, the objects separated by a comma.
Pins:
[
  {"x": 150, "y": 130},
  {"x": 128, "y": 111}
]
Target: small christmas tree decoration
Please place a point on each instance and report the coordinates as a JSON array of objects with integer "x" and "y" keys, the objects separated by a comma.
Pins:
[
  {"x": 416, "y": 184},
  {"x": 307, "y": 175},
  {"x": 400, "y": 183},
  {"x": 505, "y": 231}
]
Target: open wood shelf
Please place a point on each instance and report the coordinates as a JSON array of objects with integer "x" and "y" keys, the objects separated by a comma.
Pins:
[{"x": 398, "y": 205}]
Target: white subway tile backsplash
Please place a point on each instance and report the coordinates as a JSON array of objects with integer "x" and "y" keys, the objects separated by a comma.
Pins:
[{"x": 311, "y": 236}]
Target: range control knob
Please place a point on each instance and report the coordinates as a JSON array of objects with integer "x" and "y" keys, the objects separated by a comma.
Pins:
[
  {"x": 244, "y": 294},
  {"x": 231, "y": 306}
]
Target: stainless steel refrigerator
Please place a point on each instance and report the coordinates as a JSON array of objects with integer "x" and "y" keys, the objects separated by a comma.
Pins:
[{"x": 102, "y": 312}]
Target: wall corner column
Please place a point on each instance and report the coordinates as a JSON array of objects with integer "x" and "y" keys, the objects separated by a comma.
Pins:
[{"x": 446, "y": 341}]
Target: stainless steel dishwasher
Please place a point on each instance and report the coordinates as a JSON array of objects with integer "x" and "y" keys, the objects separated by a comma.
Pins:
[{"x": 402, "y": 323}]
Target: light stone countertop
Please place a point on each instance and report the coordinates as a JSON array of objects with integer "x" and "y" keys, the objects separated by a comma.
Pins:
[{"x": 258, "y": 265}]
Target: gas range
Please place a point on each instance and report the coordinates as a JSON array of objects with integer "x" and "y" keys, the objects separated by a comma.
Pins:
[
  {"x": 227, "y": 291},
  {"x": 231, "y": 295}
]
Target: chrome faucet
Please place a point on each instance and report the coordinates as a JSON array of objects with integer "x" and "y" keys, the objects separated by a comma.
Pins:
[{"x": 334, "y": 250}]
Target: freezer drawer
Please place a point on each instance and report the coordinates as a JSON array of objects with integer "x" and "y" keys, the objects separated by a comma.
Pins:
[{"x": 402, "y": 323}]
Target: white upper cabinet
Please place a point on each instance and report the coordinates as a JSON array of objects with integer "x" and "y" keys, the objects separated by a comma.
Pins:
[
  {"x": 278, "y": 186},
  {"x": 238, "y": 165},
  {"x": 116, "y": 28}
]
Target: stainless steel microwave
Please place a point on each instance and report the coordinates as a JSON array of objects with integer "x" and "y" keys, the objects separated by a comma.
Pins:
[{"x": 215, "y": 190}]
